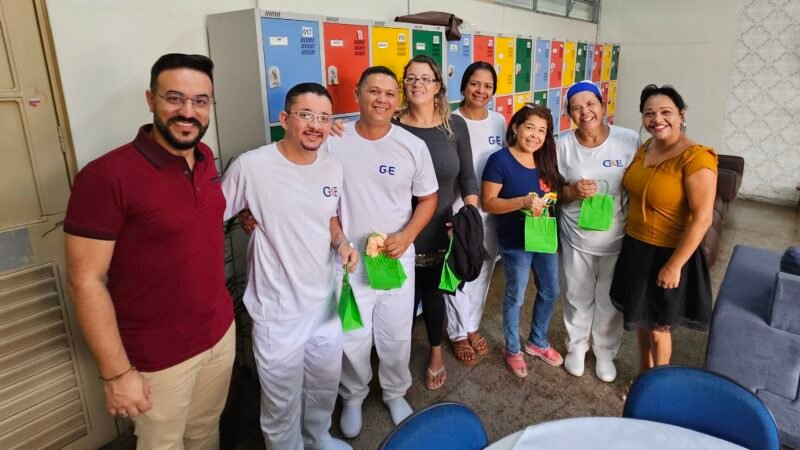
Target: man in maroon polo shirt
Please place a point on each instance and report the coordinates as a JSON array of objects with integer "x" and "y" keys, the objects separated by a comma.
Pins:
[{"x": 145, "y": 266}]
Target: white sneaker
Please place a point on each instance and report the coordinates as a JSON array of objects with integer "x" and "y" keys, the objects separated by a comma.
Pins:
[
  {"x": 574, "y": 363},
  {"x": 337, "y": 444},
  {"x": 350, "y": 421},
  {"x": 606, "y": 370},
  {"x": 399, "y": 409}
]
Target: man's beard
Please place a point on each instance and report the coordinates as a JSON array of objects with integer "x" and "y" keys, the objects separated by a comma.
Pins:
[{"x": 171, "y": 139}]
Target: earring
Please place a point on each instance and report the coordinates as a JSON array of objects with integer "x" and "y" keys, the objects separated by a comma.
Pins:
[
  {"x": 683, "y": 127},
  {"x": 435, "y": 102}
]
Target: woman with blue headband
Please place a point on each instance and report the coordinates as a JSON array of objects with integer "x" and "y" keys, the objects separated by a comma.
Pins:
[{"x": 592, "y": 160}]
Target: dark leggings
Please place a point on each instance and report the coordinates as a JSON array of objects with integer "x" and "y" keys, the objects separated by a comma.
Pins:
[{"x": 426, "y": 290}]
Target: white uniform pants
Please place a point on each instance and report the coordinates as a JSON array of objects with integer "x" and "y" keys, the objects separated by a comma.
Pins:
[
  {"x": 588, "y": 309},
  {"x": 387, "y": 317},
  {"x": 299, "y": 363},
  {"x": 465, "y": 308}
]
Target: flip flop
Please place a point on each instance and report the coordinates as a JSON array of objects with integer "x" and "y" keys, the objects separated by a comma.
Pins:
[
  {"x": 478, "y": 343},
  {"x": 461, "y": 349},
  {"x": 429, "y": 380}
]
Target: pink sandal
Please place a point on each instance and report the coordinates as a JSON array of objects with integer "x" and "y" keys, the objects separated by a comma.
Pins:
[{"x": 516, "y": 364}]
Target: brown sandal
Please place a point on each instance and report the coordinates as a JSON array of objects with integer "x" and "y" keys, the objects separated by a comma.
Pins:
[
  {"x": 462, "y": 350},
  {"x": 478, "y": 343}
]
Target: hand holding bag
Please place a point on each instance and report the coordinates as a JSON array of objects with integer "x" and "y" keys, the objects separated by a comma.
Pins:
[
  {"x": 541, "y": 233},
  {"x": 597, "y": 211},
  {"x": 348, "y": 308}
]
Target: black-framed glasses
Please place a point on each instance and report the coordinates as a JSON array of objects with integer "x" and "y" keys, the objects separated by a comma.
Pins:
[
  {"x": 421, "y": 80},
  {"x": 177, "y": 100},
  {"x": 308, "y": 116}
]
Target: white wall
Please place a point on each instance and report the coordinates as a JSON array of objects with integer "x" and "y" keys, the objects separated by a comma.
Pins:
[
  {"x": 105, "y": 49},
  {"x": 686, "y": 43}
]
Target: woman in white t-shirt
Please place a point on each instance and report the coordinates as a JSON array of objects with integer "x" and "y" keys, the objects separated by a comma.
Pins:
[
  {"x": 592, "y": 160},
  {"x": 486, "y": 131}
]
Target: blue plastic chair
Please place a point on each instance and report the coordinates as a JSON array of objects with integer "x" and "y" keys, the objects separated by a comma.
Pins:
[
  {"x": 703, "y": 401},
  {"x": 443, "y": 426}
]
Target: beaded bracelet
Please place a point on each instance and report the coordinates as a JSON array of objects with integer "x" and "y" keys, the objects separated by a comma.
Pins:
[{"x": 118, "y": 376}]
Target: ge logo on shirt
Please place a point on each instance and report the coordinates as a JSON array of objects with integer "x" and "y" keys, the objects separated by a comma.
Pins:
[
  {"x": 495, "y": 140},
  {"x": 612, "y": 163},
  {"x": 386, "y": 169},
  {"x": 330, "y": 191}
]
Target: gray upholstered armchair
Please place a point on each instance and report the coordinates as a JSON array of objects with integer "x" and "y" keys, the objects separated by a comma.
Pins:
[{"x": 755, "y": 334}]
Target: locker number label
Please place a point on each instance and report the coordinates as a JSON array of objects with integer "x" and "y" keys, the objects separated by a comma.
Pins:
[
  {"x": 308, "y": 32},
  {"x": 337, "y": 43},
  {"x": 278, "y": 40},
  {"x": 454, "y": 48},
  {"x": 401, "y": 37},
  {"x": 421, "y": 46},
  {"x": 436, "y": 39}
]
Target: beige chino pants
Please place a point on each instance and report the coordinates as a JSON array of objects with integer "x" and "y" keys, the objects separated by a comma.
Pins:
[{"x": 187, "y": 400}]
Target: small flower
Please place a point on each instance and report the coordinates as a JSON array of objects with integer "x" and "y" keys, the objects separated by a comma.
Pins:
[
  {"x": 544, "y": 186},
  {"x": 375, "y": 243}
]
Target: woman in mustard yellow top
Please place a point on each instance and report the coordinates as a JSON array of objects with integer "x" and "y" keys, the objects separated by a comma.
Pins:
[{"x": 661, "y": 278}]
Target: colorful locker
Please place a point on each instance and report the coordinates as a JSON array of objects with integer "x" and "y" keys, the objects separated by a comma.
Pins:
[
  {"x": 568, "y": 76},
  {"x": 504, "y": 64},
  {"x": 522, "y": 70},
  {"x": 505, "y": 106},
  {"x": 427, "y": 41},
  {"x": 556, "y": 63},
  {"x": 611, "y": 107},
  {"x": 390, "y": 48},
  {"x": 580, "y": 62},
  {"x": 540, "y": 98},
  {"x": 346, "y": 56},
  {"x": 566, "y": 121},
  {"x": 604, "y": 91},
  {"x": 459, "y": 56},
  {"x": 521, "y": 99},
  {"x": 541, "y": 66},
  {"x": 291, "y": 56},
  {"x": 606, "y": 74},
  {"x": 597, "y": 62},
  {"x": 483, "y": 49},
  {"x": 614, "y": 61},
  {"x": 589, "y": 61},
  {"x": 554, "y": 103}
]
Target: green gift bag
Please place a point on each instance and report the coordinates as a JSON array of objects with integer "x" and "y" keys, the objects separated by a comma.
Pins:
[
  {"x": 449, "y": 281},
  {"x": 384, "y": 273},
  {"x": 541, "y": 234},
  {"x": 597, "y": 211},
  {"x": 348, "y": 308}
]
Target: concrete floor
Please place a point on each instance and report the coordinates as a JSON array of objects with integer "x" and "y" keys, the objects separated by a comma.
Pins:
[{"x": 507, "y": 404}]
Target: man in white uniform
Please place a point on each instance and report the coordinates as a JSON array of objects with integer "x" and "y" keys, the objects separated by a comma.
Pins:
[
  {"x": 384, "y": 168},
  {"x": 592, "y": 160},
  {"x": 293, "y": 192}
]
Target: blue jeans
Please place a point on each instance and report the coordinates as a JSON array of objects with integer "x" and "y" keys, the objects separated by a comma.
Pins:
[{"x": 516, "y": 263}]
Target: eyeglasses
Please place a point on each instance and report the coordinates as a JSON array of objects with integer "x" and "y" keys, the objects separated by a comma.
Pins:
[
  {"x": 421, "y": 80},
  {"x": 177, "y": 100},
  {"x": 307, "y": 116}
]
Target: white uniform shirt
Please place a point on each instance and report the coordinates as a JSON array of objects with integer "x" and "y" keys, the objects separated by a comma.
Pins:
[
  {"x": 380, "y": 178},
  {"x": 290, "y": 271},
  {"x": 486, "y": 137},
  {"x": 608, "y": 161}
]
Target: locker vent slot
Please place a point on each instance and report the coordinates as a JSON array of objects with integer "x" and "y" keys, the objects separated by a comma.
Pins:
[{"x": 40, "y": 401}]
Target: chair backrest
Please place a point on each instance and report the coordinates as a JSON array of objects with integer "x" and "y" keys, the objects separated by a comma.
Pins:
[
  {"x": 703, "y": 401},
  {"x": 443, "y": 426}
]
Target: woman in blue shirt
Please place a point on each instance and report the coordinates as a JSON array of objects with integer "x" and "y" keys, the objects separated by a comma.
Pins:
[{"x": 512, "y": 174}]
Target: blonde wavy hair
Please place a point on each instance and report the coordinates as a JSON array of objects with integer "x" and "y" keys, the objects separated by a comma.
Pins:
[{"x": 440, "y": 100}]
